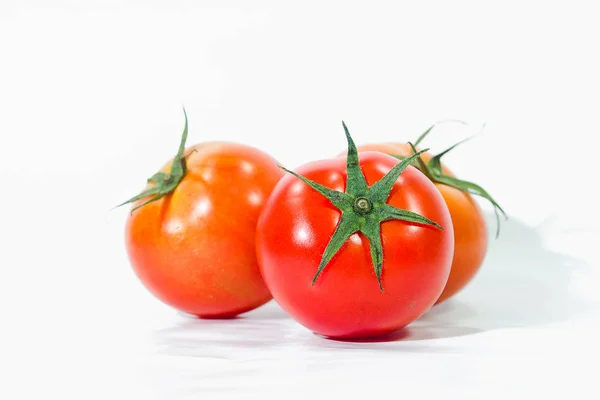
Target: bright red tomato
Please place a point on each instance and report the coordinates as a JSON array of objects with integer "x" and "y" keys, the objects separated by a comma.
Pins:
[{"x": 346, "y": 301}]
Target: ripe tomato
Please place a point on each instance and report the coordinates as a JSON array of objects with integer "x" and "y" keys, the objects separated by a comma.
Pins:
[
  {"x": 470, "y": 231},
  {"x": 194, "y": 247},
  {"x": 300, "y": 223}
]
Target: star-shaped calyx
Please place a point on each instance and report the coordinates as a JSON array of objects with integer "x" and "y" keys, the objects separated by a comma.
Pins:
[
  {"x": 363, "y": 208},
  {"x": 433, "y": 170},
  {"x": 166, "y": 183}
]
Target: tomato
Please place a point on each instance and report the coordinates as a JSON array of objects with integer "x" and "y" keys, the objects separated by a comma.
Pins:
[
  {"x": 194, "y": 247},
  {"x": 470, "y": 231},
  {"x": 299, "y": 223}
]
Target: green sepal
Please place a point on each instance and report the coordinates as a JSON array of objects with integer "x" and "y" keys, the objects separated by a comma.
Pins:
[
  {"x": 372, "y": 230},
  {"x": 347, "y": 226},
  {"x": 339, "y": 199},
  {"x": 472, "y": 188},
  {"x": 165, "y": 182},
  {"x": 433, "y": 170},
  {"x": 380, "y": 191},
  {"x": 428, "y": 130},
  {"x": 435, "y": 164},
  {"x": 356, "y": 182},
  {"x": 414, "y": 163},
  {"x": 420, "y": 163},
  {"x": 424, "y": 134},
  {"x": 388, "y": 212},
  {"x": 148, "y": 192},
  {"x": 160, "y": 177}
]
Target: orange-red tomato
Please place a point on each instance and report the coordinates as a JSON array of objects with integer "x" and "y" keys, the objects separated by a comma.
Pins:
[
  {"x": 470, "y": 232},
  {"x": 194, "y": 249}
]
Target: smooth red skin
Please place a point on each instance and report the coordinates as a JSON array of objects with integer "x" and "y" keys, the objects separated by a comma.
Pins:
[
  {"x": 346, "y": 302},
  {"x": 470, "y": 230},
  {"x": 195, "y": 249}
]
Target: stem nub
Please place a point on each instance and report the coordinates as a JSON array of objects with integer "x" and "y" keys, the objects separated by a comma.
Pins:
[{"x": 363, "y": 206}]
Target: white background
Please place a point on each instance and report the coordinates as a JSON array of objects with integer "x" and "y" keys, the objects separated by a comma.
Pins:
[{"x": 90, "y": 106}]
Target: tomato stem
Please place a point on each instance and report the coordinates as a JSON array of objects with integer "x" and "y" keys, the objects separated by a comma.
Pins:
[{"x": 364, "y": 208}]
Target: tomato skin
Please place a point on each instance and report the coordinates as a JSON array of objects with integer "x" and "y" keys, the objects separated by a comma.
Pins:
[
  {"x": 470, "y": 231},
  {"x": 346, "y": 302},
  {"x": 470, "y": 239},
  {"x": 195, "y": 248}
]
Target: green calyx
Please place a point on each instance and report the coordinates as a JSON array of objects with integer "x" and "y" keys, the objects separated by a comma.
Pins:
[
  {"x": 363, "y": 208},
  {"x": 165, "y": 183},
  {"x": 433, "y": 170}
]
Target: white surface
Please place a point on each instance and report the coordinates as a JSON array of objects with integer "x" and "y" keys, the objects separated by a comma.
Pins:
[{"x": 90, "y": 105}]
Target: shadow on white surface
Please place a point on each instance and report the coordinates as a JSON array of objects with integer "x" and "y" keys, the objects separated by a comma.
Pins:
[{"x": 521, "y": 284}]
